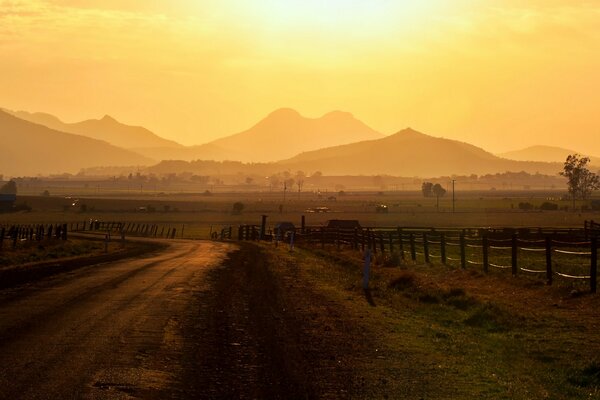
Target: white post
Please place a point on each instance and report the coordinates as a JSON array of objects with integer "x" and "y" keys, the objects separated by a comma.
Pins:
[
  {"x": 292, "y": 241},
  {"x": 366, "y": 271}
]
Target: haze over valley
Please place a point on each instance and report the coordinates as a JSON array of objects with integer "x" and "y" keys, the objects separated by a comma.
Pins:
[{"x": 334, "y": 144}]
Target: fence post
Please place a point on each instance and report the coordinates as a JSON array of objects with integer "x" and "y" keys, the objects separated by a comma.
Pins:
[
  {"x": 400, "y": 243},
  {"x": 486, "y": 260},
  {"x": 443, "y": 247},
  {"x": 337, "y": 238},
  {"x": 382, "y": 243},
  {"x": 425, "y": 248},
  {"x": 2, "y": 237},
  {"x": 413, "y": 251},
  {"x": 373, "y": 241},
  {"x": 322, "y": 238},
  {"x": 362, "y": 240},
  {"x": 263, "y": 227},
  {"x": 594, "y": 264},
  {"x": 391, "y": 239},
  {"x": 463, "y": 253},
  {"x": 548, "y": 260},
  {"x": 514, "y": 254},
  {"x": 303, "y": 225},
  {"x": 355, "y": 243}
]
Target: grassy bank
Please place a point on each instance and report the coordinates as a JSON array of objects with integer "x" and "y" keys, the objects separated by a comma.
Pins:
[{"x": 461, "y": 334}]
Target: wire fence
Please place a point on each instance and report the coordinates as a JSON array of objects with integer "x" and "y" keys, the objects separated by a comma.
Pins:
[{"x": 550, "y": 253}]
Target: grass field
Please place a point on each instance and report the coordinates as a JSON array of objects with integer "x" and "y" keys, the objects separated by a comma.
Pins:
[{"x": 198, "y": 214}]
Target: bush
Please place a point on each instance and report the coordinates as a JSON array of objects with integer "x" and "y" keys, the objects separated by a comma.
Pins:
[
  {"x": 549, "y": 206},
  {"x": 238, "y": 207},
  {"x": 525, "y": 206}
]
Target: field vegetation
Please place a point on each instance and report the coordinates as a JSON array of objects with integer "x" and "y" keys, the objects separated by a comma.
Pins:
[
  {"x": 200, "y": 213},
  {"x": 464, "y": 334}
]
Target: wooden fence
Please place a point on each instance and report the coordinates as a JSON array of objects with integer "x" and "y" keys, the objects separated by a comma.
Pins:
[
  {"x": 126, "y": 228},
  {"x": 549, "y": 252},
  {"x": 15, "y": 234}
]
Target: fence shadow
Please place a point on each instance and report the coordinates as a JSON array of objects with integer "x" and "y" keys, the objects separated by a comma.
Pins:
[{"x": 369, "y": 298}]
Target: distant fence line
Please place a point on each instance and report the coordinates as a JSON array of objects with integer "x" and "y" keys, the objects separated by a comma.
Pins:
[
  {"x": 570, "y": 253},
  {"x": 15, "y": 234},
  {"x": 127, "y": 228}
]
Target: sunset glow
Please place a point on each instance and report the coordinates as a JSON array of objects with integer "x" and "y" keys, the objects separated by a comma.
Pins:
[{"x": 498, "y": 74}]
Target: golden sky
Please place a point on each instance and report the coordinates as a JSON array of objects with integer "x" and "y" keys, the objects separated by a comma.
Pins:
[{"x": 501, "y": 74}]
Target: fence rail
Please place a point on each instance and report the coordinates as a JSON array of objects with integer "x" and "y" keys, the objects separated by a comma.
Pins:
[
  {"x": 552, "y": 252},
  {"x": 15, "y": 234},
  {"x": 126, "y": 228}
]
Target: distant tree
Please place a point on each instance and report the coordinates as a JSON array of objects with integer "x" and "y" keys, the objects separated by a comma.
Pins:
[
  {"x": 580, "y": 181},
  {"x": 238, "y": 207},
  {"x": 427, "y": 189},
  {"x": 9, "y": 187},
  {"x": 274, "y": 181},
  {"x": 300, "y": 175},
  {"x": 249, "y": 180},
  {"x": 438, "y": 191},
  {"x": 46, "y": 193}
]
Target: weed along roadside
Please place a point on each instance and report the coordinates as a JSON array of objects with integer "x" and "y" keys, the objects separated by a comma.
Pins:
[
  {"x": 32, "y": 260},
  {"x": 438, "y": 331}
]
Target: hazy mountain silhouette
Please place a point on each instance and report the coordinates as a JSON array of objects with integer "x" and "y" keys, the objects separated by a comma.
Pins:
[
  {"x": 411, "y": 153},
  {"x": 285, "y": 133},
  {"x": 31, "y": 149},
  {"x": 107, "y": 129},
  {"x": 544, "y": 153}
]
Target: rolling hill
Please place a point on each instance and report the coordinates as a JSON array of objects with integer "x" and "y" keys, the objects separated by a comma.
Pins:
[
  {"x": 544, "y": 153},
  {"x": 107, "y": 129},
  {"x": 411, "y": 153},
  {"x": 31, "y": 149}
]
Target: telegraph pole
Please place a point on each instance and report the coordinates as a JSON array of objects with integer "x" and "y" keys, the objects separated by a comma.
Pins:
[{"x": 453, "y": 208}]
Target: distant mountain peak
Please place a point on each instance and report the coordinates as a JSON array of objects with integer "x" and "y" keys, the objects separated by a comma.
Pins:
[
  {"x": 108, "y": 118},
  {"x": 284, "y": 113}
]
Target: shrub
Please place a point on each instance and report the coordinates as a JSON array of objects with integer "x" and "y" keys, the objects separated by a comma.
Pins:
[
  {"x": 238, "y": 207},
  {"x": 525, "y": 206},
  {"x": 549, "y": 206}
]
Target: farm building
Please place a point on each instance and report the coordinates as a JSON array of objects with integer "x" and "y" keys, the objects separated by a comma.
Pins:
[{"x": 7, "y": 202}]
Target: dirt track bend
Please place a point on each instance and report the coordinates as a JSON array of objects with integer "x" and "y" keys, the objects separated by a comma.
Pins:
[{"x": 198, "y": 320}]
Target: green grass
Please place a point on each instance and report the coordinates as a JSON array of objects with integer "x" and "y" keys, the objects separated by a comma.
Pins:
[{"x": 477, "y": 347}]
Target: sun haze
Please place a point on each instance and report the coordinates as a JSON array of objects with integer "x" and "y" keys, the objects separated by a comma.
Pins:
[{"x": 498, "y": 74}]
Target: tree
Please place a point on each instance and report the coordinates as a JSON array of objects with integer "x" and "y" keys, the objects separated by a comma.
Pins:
[
  {"x": 300, "y": 175},
  {"x": 427, "y": 188},
  {"x": 438, "y": 191},
  {"x": 580, "y": 181},
  {"x": 9, "y": 187}
]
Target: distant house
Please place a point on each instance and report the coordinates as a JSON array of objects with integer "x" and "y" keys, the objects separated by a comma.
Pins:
[
  {"x": 7, "y": 202},
  {"x": 343, "y": 224}
]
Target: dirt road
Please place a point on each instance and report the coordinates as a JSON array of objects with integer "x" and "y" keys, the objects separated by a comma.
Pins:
[
  {"x": 197, "y": 320},
  {"x": 104, "y": 331}
]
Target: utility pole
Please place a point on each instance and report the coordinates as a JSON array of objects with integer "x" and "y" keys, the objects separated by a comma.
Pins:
[{"x": 453, "y": 208}]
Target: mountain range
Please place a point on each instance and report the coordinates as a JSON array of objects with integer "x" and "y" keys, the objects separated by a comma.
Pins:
[
  {"x": 411, "y": 153},
  {"x": 545, "y": 153},
  {"x": 31, "y": 149},
  {"x": 106, "y": 128},
  {"x": 336, "y": 143}
]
